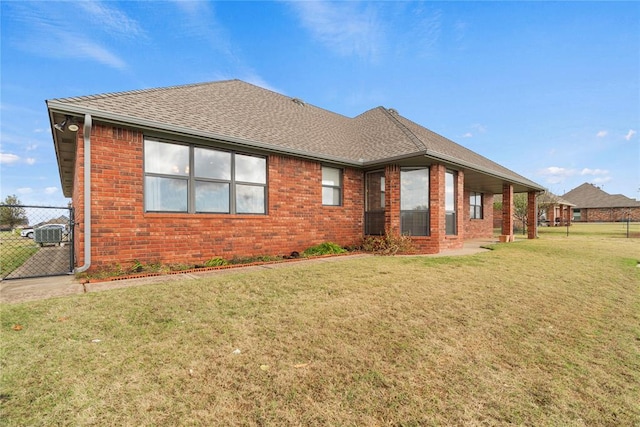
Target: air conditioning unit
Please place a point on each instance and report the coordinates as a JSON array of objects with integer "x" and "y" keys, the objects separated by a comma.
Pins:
[{"x": 48, "y": 235}]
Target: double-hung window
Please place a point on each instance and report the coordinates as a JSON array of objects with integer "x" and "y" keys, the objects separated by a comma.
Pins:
[
  {"x": 186, "y": 178},
  {"x": 475, "y": 205},
  {"x": 331, "y": 186}
]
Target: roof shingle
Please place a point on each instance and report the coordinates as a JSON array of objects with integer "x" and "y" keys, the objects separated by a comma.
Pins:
[
  {"x": 237, "y": 111},
  {"x": 589, "y": 196}
]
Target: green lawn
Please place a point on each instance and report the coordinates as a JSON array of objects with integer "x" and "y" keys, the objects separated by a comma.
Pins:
[
  {"x": 539, "y": 332},
  {"x": 14, "y": 251}
]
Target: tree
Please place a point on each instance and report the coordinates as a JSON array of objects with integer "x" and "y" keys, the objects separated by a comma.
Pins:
[
  {"x": 520, "y": 205},
  {"x": 520, "y": 212},
  {"x": 11, "y": 214}
]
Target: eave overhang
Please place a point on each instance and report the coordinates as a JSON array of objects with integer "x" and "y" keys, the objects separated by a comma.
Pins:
[{"x": 58, "y": 110}]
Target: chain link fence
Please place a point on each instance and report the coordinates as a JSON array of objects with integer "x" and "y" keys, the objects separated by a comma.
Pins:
[{"x": 35, "y": 241}]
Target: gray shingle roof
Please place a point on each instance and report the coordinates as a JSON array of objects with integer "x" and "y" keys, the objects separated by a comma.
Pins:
[
  {"x": 589, "y": 196},
  {"x": 242, "y": 113}
]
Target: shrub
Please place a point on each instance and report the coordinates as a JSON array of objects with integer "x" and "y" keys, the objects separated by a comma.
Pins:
[
  {"x": 388, "y": 244},
  {"x": 323, "y": 249},
  {"x": 215, "y": 262}
]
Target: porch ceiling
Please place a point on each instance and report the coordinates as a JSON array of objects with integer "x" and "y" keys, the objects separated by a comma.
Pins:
[{"x": 484, "y": 183}]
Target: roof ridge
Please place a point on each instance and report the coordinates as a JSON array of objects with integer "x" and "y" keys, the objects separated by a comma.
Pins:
[
  {"x": 140, "y": 91},
  {"x": 412, "y": 136}
]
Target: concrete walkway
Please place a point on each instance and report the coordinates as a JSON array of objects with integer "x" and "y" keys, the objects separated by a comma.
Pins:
[{"x": 21, "y": 290}]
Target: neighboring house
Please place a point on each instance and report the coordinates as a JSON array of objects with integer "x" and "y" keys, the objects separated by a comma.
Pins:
[
  {"x": 556, "y": 211},
  {"x": 592, "y": 204},
  {"x": 552, "y": 210},
  {"x": 183, "y": 174}
]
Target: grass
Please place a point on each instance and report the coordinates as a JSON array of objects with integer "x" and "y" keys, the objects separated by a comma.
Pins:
[
  {"x": 537, "y": 332},
  {"x": 14, "y": 251}
]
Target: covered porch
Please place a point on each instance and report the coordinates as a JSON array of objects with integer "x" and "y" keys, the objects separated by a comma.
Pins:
[{"x": 442, "y": 205}]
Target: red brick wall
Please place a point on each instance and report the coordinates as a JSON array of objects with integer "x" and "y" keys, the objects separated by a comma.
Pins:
[
  {"x": 507, "y": 210},
  {"x": 532, "y": 215},
  {"x": 608, "y": 214},
  {"x": 122, "y": 232},
  {"x": 479, "y": 228},
  {"x": 392, "y": 199}
]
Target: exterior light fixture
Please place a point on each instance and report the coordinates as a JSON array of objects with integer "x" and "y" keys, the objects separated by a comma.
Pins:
[
  {"x": 67, "y": 123},
  {"x": 60, "y": 126}
]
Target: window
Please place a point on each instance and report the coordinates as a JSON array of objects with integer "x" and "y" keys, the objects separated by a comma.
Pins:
[
  {"x": 450, "y": 179},
  {"x": 414, "y": 201},
  {"x": 577, "y": 215},
  {"x": 475, "y": 205},
  {"x": 331, "y": 186},
  {"x": 185, "y": 178}
]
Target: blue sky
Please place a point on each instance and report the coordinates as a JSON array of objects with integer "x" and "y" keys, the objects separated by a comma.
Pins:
[{"x": 550, "y": 90}]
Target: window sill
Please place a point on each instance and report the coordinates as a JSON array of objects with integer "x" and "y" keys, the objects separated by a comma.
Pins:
[{"x": 184, "y": 215}]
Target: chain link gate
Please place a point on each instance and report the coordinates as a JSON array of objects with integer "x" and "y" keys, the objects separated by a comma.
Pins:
[{"x": 35, "y": 241}]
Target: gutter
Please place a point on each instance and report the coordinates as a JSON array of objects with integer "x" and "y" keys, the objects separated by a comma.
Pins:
[{"x": 87, "y": 194}]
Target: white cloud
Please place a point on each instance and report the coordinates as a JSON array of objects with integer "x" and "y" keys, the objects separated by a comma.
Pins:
[
  {"x": 257, "y": 80},
  {"x": 111, "y": 20},
  {"x": 98, "y": 53},
  {"x": 346, "y": 28},
  {"x": 587, "y": 171},
  {"x": 602, "y": 180},
  {"x": 555, "y": 170},
  {"x": 49, "y": 32},
  {"x": 477, "y": 128},
  {"x": 602, "y": 134},
  {"x": 30, "y": 160},
  {"x": 556, "y": 175},
  {"x": 427, "y": 29},
  {"x": 630, "y": 134},
  {"x": 24, "y": 190},
  {"x": 50, "y": 190},
  {"x": 8, "y": 158},
  {"x": 480, "y": 128}
]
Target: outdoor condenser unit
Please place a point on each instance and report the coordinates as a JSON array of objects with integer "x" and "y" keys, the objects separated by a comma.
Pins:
[{"x": 48, "y": 235}]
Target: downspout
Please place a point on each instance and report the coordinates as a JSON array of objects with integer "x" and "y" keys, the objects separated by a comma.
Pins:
[{"x": 87, "y": 194}]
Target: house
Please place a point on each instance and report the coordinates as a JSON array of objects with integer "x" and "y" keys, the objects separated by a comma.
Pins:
[
  {"x": 592, "y": 204},
  {"x": 554, "y": 210},
  {"x": 228, "y": 169}
]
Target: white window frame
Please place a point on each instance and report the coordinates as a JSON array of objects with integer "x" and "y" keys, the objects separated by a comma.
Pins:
[{"x": 329, "y": 185}]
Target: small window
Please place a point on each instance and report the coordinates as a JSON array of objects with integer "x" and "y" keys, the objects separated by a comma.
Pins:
[
  {"x": 475, "y": 205},
  {"x": 450, "y": 196},
  {"x": 331, "y": 186},
  {"x": 577, "y": 215}
]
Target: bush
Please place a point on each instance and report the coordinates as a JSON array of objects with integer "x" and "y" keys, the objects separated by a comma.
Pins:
[
  {"x": 215, "y": 262},
  {"x": 326, "y": 248},
  {"x": 389, "y": 244}
]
